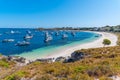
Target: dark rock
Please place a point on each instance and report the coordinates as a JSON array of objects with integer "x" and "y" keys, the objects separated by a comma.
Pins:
[
  {"x": 69, "y": 60},
  {"x": 60, "y": 59},
  {"x": 16, "y": 59},
  {"x": 77, "y": 55}
]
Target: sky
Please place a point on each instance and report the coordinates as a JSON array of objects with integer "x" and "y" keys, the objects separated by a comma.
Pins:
[{"x": 59, "y": 13}]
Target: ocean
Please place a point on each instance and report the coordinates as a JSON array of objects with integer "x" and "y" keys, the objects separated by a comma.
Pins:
[{"x": 38, "y": 46}]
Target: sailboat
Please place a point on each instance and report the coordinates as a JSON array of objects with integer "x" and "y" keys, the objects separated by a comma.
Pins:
[
  {"x": 64, "y": 36},
  {"x": 48, "y": 37}
]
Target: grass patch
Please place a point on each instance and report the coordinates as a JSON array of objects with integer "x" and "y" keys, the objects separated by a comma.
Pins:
[{"x": 4, "y": 64}]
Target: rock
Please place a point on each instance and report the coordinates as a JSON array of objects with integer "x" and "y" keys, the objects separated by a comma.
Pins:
[
  {"x": 16, "y": 59},
  {"x": 69, "y": 60},
  {"x": 21, "y": 59},
  {"x": 60, "y": 59},
  {"x": 77, "y": 56}
]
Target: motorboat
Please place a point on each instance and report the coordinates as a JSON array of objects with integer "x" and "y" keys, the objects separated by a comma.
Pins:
[
  {"x": 23, "y": 43},
  {"x": 8, "y": 40},
  {"x": 12, "y": 32},
  {"x": 28, "y": 36}
]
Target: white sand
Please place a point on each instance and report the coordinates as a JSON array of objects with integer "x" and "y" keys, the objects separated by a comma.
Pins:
[{"x": 95, "y": 44}]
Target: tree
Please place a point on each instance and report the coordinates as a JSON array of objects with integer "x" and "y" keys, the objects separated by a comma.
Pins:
[{"x": 106, "y": 42}]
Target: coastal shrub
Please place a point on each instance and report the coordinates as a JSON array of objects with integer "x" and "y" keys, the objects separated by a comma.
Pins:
[
  {"x": 81, "y": 69},
  {"x": 100, "y": 70},
  {"x": 104, "y": 78},
  {"x": 13, "y": 77},
  {"x": 105, "y": 62},
  {"x": 4, "y": 64},
  {"x": 36, "y": 63},
  {"x": 16, "y": 76},
  {"x": 4, "y": 59},
  {"x": 45, "y": 77},
  {"x": 82, "y": 77},
  {"x": 0, "y": 54},
  {"x": 106, "y": 42}
]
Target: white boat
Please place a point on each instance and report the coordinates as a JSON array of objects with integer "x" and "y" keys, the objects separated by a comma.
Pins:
[
  {"x": 28, "y": 36},
  {"x": 57, "y": 34},
  {"x": 64, "y": 36},
  {"x": 8, "y": 40},
  {"x": 12, "y": 32},
  {"x": 73, "y": 33},
  {"x": 48, "y": 37},
  {"x": 28, "y": 32},
  {"x": 23, "y": 43}
]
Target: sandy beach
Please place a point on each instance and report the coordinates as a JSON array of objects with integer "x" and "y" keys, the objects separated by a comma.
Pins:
[{"x": 94, "y": 44}]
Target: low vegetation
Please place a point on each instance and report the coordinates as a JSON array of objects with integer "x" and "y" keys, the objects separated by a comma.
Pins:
[
  {"x": 106, "y": 42},
  {"x": 97, "y": 64}
]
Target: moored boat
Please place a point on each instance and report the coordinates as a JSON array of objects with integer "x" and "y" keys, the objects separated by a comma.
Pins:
[
  {"x": 28, "y": 36},
  {"x": 23, "y": 43},
  {"x": 8, "y": 40},
  {"x": 64, "y": 36},
  {"x": 57, "y": 33},
  {"x": 48, "y": 37},
  {"x": 73, "y": 33},
  {"x": 28, "y": 32}
]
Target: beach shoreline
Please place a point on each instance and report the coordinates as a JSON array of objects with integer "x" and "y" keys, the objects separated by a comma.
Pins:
[
  {"x": 93, "y": 44},
  {"x": 67, "y": 50}
]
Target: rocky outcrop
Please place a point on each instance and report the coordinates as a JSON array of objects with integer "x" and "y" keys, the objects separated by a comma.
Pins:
[
  {"x": 74, "y": 57},
  {"x": 77, "y": 55},
  {"x": 16, "y": 59},
  {"x": 60, "y": 59}
]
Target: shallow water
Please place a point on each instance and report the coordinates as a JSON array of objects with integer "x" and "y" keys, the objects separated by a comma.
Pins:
[{"x": 38, "y": 47}]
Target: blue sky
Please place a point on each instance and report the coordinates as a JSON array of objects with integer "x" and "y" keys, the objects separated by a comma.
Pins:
[{"x": 59, "y": 13}]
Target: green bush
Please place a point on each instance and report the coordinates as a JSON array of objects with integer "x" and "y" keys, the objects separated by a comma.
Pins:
[
  {"x": 81, "y": 69},
  {"x": 104, "y": 78},
  {"x": 106, "y": 42},
  {"x": 16, "y": 76},
  {"x": 4, "y": 64}
]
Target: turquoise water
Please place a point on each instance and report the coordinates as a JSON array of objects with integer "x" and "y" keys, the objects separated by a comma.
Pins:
[
  {"x": 53, "y": 49},
  {"x": 38, "y": 48}
]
